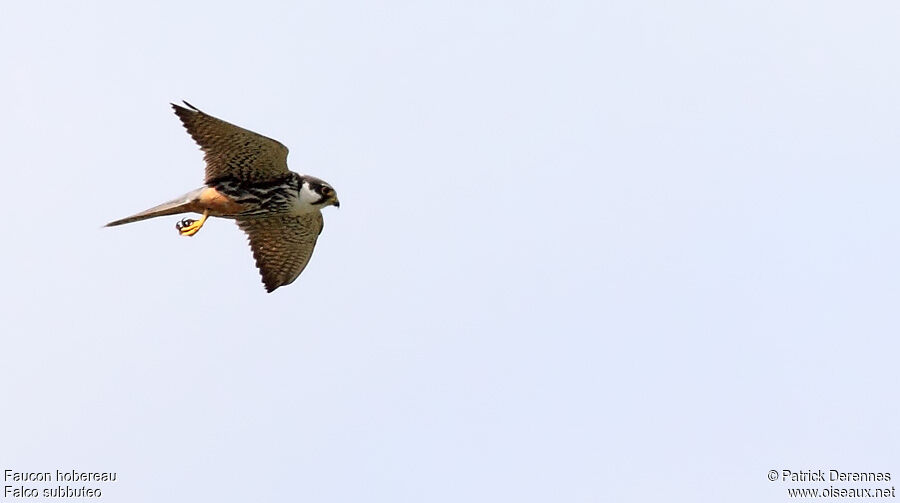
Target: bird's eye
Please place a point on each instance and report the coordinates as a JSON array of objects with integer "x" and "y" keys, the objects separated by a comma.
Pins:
[{"x": 326, "y": 191}]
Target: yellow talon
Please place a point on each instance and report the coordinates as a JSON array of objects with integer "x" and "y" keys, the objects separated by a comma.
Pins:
[{"x": 189, "y": 227}]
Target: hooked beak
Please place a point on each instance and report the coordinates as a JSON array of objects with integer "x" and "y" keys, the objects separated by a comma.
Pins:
[{"x": 336, "y": 203}]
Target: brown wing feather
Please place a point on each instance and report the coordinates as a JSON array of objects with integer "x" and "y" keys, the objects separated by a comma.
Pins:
[
  {"x": 282, "y": 245},
  {"x": 232, "y": 150}
]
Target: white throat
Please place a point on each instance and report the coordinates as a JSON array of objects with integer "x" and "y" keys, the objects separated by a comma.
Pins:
[{"x": 306, "y": 199}]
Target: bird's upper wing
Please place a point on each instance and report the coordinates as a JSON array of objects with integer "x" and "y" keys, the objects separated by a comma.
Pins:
[
  {"x": 282, "y": 245},
  {"x": 232, "y": 150}
]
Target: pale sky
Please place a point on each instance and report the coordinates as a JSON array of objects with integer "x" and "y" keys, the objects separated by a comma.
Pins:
[{"x": 586, "y": 251}]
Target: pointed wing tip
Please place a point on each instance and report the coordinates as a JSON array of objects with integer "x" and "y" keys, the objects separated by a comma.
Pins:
[{"x": 180, "y": 109}]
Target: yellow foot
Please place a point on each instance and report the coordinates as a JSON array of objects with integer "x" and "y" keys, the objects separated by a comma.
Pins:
[{"x": 189, "y": 226}]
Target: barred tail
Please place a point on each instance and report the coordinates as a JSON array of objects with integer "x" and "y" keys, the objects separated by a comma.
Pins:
[{"x": 182, "y": 204}]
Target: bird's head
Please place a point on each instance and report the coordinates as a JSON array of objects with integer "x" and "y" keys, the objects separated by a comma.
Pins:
[{"x": 318, "y": 193}]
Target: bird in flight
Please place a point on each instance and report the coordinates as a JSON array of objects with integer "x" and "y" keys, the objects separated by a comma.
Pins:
[{"x": 247, "y": 180}]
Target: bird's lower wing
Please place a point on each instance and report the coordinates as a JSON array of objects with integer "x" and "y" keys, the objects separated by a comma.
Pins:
[{"x": 282, "y": 245}]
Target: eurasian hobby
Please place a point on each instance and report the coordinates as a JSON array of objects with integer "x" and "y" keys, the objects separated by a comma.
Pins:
[{"x": 247, "y": 179}]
